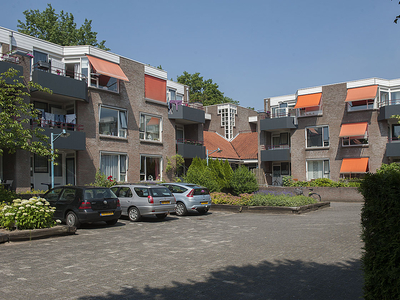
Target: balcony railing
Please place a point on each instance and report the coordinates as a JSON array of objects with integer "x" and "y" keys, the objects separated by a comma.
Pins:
[
  {"x": 366, "y": 106},
  {"x": 47, "y": 67},
  {"x": 56, "y": 124},
  {"x": 310, "y": 112},
  {"x": 274, "y": 147},
  {"x": 389, "y": 102},
  {"x": 190, "y": 142},
  {"x": 394, "y": 140},
  {"x": 279, "y": 113}
]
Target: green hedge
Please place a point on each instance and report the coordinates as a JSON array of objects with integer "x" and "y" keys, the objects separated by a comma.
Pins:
[
  {"x": 380, "y": 220},
  {"x": 326, "y": 182}
]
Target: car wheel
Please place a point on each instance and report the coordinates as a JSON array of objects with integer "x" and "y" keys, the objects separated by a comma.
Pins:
[
  {"x": 134, "y": 214},
  {"x": 72, "y": 220},
  {"x": 161, "y": 216},
  {"x": 202, "y": 211},
  {"x": 112, "y": 222},
  {"x": 181, "y": 209}
]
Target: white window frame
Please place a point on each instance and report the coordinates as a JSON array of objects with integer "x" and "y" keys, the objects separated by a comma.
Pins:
[
  {"x": 122, "y": 176},
  {"x": 325, "y": 168},
  {"x": 122, "y": 132},
  {"x": 323, "y": 139},
  {"x": 144, "y": 171},
  {"x": 143, "y": 134}
]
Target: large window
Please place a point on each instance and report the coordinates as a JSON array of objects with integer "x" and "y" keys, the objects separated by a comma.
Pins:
[
  {"x": 115, "y": 165},
  {"x": 354, "y": 141},
  {"x": 150, "y": 168},
  {"x": 317, "y": 137},
  {"x": 150, "y": 127},
  {"x": 228, "y": 113},
  {"x": 112, "y": 122},
  {"x": 317, "y": 169},
  {"x": 395, "y": 132}
]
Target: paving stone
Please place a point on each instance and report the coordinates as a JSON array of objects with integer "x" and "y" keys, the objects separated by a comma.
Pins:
[{"x": 220, "y": 255}]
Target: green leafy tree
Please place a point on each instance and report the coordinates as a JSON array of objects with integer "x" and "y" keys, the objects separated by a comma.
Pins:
[
  {"x": 204, "y": 91},
  {"x": 174, "y": 164},
  {"x": 16, "y": 114},
  {"x": 59, "y": 28}
]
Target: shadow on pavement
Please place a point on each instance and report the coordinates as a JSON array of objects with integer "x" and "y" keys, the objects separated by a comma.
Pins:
[{"x": 285, "y": 279}]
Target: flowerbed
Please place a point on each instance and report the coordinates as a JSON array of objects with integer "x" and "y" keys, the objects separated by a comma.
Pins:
[
  {"x": 27, "y": 214},
  {"x": 263, "y": 198}
]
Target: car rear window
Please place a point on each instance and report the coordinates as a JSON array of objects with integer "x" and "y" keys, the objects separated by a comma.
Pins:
[
  {"x": 141, "y": 192},
  {"x": 96, "y": 193},
  {"x": 160, "y": 192},
  {"x": 201, "y": 191}
]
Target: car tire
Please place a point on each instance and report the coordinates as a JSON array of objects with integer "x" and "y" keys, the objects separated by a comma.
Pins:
[
  {"x": 181, "y": 209},
  {"x": 202, "y": 211},
  {"x": 112, "y": 222},
  {"x": 161, "y": 216},
  {"x": 72, "y": 220},
  {"x": 134, "y": 214}
]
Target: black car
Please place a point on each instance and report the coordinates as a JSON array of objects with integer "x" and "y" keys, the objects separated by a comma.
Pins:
[{"x": 84, "y": 204}]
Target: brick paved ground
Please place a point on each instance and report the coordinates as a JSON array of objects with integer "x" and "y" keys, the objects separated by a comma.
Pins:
[{"x": 217, "y": 256}]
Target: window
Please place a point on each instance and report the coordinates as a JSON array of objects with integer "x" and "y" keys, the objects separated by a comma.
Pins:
[
  {"x": 361, "y": 105},
  {"x": 317, "y": 136},
  {"x": 317, "y": 169},
  {"x": 150, "y": 168},
  {"x": 104, "y": 82},
  {"x": 150, "y": 128},
  {"x": 115, "y": 165},
  {"x": 41, "y": 164},
  {"x": 354, "y": 141},
  {"x": 112, "y": 122},
  {"x": 395, "y": 132},
  {"x": 280, "y": 140},
  {"x": 228, "y": 113}
]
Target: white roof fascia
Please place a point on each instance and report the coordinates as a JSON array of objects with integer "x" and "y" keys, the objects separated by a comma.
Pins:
[{"x": 180, "y": 88}]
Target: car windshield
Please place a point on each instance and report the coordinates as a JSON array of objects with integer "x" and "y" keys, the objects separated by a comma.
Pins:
[{"x": 96, "y": 193}]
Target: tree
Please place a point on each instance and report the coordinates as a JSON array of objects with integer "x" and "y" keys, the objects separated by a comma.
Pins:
[
  {"x": 16, "y": 115},
  {"x": 59, "y": 28},
  {"x": 204, "y": 91}
]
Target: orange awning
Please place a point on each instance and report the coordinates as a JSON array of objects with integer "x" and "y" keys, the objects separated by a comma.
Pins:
[
  {"x": 107, "y": 68},
  {"x": 354, "y": 165},
  {"x": 362, "y": 93},
  {"x": 353, "y": 129},
  {"x": 310, "y": 100}
]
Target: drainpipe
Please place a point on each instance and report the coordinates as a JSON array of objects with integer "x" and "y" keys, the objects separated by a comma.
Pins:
[{"x": 10, "y": 44}]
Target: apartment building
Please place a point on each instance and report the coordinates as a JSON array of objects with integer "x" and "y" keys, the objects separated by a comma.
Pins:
[
  {"x": 334, "y": 131},
  {"x": 123, "y": 117}
]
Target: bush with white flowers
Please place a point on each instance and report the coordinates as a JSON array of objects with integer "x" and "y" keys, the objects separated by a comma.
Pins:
[{"x": 27, "y": 214}]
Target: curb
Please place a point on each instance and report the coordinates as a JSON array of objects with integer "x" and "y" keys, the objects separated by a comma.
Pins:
[
  {"x": 270, "y": 209},
  {"x": 30, "y": 234}
]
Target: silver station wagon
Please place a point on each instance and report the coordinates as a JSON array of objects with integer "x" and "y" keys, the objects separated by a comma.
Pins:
[{"x": 141, "y": 200}]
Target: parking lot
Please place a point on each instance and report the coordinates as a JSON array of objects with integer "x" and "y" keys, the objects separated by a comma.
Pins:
[{"x": 219, "y": 255}]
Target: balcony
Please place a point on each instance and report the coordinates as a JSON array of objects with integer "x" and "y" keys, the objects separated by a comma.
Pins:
[
  {"x": 360, "y": 105},
  {"x": 275, "y": 153},
  {"x": 64, "y": 86},
  {"x": 183, "y": 114},
  {"x": 393, "y": 148},
  {"x": 279, "y": 119},
  {"x": 388, "y": 109},
  {"x": 75, "y": 141},
  {"x": 5, "y": 65},
  {"x": 190, "y": 149}
]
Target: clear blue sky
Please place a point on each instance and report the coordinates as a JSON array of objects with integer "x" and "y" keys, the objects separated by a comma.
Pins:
[{"x": 251, "y": 49}]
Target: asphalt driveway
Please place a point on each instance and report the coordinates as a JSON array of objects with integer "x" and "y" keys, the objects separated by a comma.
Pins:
[{"x": 215, "y": 256}]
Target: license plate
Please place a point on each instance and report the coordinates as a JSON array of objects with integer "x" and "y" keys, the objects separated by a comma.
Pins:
[
  {"x": 165, "y": 202},
  {"x": 204, "y": 202},
  {"x": 106, "y": 214}
]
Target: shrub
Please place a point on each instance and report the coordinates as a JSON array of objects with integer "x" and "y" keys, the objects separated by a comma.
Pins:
[
  {"x": 6, "y": 195},
  {"x": 243, "y": 181},
  {"x": 262, "y": 198},
  {"x": 380, "y": 233},
  {"x": 27, "y": 214},
  {"x": 103, "y": 181},
  {"x": 288, "y": 181},
  {"x": 200, "y": 174}
]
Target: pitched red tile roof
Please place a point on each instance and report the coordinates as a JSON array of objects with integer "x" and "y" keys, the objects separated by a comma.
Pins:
[{"x": 244, "y": 146}]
